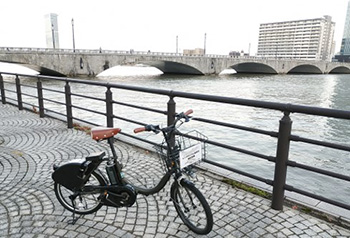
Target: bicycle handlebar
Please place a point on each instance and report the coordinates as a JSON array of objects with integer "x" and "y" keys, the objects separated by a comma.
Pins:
[
  {"x": 140, "y": 129},
  {"x": 155, "y": 128},
  {"x": 190, "y": 111},
  {"x": 147, "y": 128}
]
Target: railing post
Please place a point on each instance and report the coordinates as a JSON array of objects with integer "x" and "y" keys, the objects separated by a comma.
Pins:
[
  {"x": 68, "y": 105},
  {"x": 19, "y": 93},
  {"x": 281, "y": 162},
  {"x": 109, "y": 107},
  {"x": 2, "y": 90},
  {"x": 171, "y": 116},
  {"x": 171, "y": 111},
  {"x": 40, "y": 98}
]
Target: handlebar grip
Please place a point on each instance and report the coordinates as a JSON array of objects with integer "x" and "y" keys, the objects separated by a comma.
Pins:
[
  {"x": 190, "y": 111},
  {"x": 140, "y": 129}
]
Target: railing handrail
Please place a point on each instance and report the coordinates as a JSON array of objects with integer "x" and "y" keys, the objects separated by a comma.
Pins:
[
  {"x": 283, "y": 107},
  {"x": 133, "y": 52}
]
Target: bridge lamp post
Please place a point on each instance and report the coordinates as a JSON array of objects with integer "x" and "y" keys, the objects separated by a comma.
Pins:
[
  {"x": 53, "y": 35},
  {"x": 73, "y": 35},
  {"x": 205, "y": 42},
  {"x": 177, "y": 44}
]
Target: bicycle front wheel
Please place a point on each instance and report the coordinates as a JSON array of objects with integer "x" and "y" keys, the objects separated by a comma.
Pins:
[
  {"x": 83, "y": 203},
  {"x": 192, "y": 207}
]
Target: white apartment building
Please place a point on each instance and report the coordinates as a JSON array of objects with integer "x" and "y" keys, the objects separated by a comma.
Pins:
[{"x": 310, "y": 39}]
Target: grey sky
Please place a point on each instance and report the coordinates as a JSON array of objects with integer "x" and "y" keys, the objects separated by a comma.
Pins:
[{"x": 154, "y": 24}]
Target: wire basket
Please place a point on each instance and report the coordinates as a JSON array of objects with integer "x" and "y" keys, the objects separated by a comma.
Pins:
[{"x": 190, "y": 142}]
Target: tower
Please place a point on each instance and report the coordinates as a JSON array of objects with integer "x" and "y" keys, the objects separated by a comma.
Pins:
[
  {"x": 51, "y": 28},
  {"x": 345, "y": 43}
]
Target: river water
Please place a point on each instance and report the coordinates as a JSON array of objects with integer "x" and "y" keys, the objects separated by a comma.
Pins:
[{"x": 328, "y": 91}]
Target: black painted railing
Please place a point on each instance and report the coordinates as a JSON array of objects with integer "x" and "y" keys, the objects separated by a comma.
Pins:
[{"x": 284, "y": 134}]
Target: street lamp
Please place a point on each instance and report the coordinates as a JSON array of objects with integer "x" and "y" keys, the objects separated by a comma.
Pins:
[
  {"x": 205, "y": 42},
  {"x": 53, "y": 35},
  {"x": 177, "y": 44},
  {"x": 73, "y": 35}
]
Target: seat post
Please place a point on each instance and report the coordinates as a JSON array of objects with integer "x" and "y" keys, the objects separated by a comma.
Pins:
[{"x": 110, "y": 142}]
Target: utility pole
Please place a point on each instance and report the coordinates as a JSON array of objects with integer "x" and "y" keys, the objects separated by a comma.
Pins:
[{"x": 73, "y": 35}]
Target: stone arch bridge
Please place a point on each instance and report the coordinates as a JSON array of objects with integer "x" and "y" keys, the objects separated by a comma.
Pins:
[{"x": 92, "y": 62}]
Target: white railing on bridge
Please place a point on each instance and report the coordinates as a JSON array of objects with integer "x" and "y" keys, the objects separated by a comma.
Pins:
[
  {"x": 123, "y": 52},
  {"x": 132, "y": 52}
]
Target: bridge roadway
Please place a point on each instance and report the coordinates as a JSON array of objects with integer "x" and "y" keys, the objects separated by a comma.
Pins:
[
  {"x": 65, "y": 62},
  {"x": 30, "y": 145}
]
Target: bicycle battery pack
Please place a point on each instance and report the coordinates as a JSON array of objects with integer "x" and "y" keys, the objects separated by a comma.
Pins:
[{"x": 70, "y": 175}]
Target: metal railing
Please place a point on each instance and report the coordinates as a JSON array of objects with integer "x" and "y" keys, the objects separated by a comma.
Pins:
[
  {"x": 284, "y": 134},
  {"x": 105, "y": 51},
  {"x": 149, "y": 53}
]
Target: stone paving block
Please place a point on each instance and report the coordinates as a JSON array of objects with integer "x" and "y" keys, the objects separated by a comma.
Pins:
[{"x": 29, "y": 146}]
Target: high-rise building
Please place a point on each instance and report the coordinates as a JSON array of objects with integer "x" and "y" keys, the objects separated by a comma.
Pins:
[
  {"x": 51, "y": 28},
  {"x": 310, "y": 39},
  {"x": 345, "y": 43}
]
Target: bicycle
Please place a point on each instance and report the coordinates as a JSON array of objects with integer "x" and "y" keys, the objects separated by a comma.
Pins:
[{"x": 82, "y": 188}]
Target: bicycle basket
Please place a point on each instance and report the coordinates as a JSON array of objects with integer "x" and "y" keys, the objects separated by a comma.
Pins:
[{"x": 190, "y": 148}]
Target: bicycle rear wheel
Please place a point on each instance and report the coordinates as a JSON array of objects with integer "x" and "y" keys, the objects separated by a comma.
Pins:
[
  {"x": 82, "y": 203},
  {"x": 192, "y": 207}
]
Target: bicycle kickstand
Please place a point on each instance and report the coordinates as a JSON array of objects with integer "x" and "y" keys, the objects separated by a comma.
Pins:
[{"x": 74, "y": 219}]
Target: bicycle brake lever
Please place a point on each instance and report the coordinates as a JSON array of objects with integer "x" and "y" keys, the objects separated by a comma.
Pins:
[
  {"x": 153, "y": 128},
  {"x": 183, "y": 115}
]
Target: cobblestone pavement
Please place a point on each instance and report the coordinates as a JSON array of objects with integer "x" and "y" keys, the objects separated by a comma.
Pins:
[{"x": 29, "y": 146}]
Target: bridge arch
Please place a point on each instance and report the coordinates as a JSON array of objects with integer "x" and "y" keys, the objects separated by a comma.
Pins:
[
  {"x": 305, "y": 69},
  {"x": 44, "y": 71},
  {"x": 171, "y": 67},
  {"x": 130, "y": 70},
  {"x": 253, "y": 67},
  {"x": 339, "y": 70},
  {"x": 41, "y": 70}
]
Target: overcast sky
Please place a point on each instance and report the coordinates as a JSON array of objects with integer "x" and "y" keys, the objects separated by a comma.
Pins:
[{"x": 153, "y": 25}]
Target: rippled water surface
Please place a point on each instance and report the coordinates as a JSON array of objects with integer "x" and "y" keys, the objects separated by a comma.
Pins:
[{"x": 328, "y": 91}]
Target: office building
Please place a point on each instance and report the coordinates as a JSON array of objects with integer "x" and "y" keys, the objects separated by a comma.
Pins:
[
  {"x": 310, "y": 39},
  {"x": 51, "y": 29}
]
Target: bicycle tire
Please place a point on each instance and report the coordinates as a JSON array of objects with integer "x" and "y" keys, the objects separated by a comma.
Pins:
[
  {"x": 185, "y": 196},
  {"x": 84, "y": 204}
]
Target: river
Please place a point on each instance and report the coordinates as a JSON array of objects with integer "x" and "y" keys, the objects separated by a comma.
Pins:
[{"x": 328, "y": 91}]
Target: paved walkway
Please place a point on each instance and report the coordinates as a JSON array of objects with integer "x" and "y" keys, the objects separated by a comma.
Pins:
[{"x": 30, "y": 145}]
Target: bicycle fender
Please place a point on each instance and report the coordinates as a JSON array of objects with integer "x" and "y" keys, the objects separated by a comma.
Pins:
[
  {"x": 187, "y": 182},
  {"x": 183, "y": 182},
  {"x": 99, "y": 172}
]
